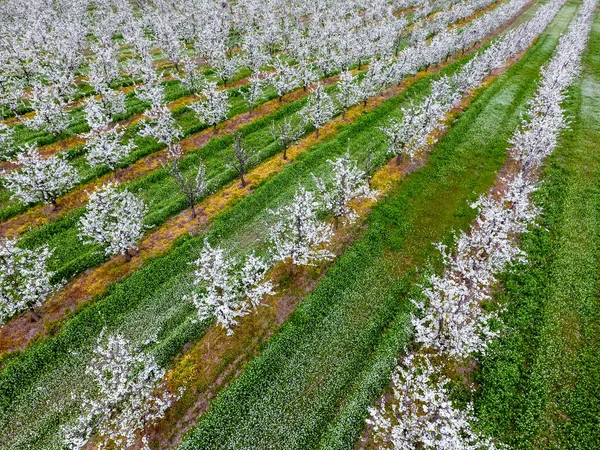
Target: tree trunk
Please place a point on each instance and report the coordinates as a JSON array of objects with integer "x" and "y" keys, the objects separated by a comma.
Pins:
[
  {"x": 399, "y": 159},
  {"x": 193, "y": 210},
  {"x": 285, "y": 153},
  {"x": 53, "y": 204},
  {"x": 34, "y": 316},
  {"x": 215, "y": 128},
  {"x": 127, "y": 255},
  {"x": 243, "y": 181}
]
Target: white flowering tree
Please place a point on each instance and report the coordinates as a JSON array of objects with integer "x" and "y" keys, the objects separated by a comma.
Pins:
[
  {"x": 286, "y": 133},
  {"x": 298, "y": 235},
  {"x": 50, "y": 114},
  {"x": 113, "y": 218},
  {"x": 193, "y": 187},
  {"x": 25, "y": 282},
  {"x": 128, "y": 396},
  {"x": 319, "y": 109},
  {"x": 161, "y": 125},
  {"x": 344, "y": 183},
  {"x": 284, "y": 80},
  {"x": 408, "y": 135},
  {"x": 214, "y": 107},
  {"x": 227, "y": 288},
  {"x": 422, "y": 415},
  {"x": 347, "y": 91},
  {"x": 95, "y": 115},
  {"x": 40, "y": 179},
  {"x": 6, "y": 140},
  {"x": 254, "y": 90},
  {"x": 105, "y": 148},
  {"x": 193, "y": 78}
]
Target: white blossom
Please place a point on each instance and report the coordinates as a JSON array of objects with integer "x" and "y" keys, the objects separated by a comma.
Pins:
[
  {"x": 105, "y": 148},
  {"x": 40, "y": 179},
  {"x": 319, "y": 109},
  {"x": 298, "y": 235},
  {"x": 226, "y": 288},
  {"x": 25, "y": 281},
  {"x": 214, "y": 107},
  {"x": 344, "y": 183},
  {"x": 128, "y": 396},
  {"x": 113, "y": 218}
]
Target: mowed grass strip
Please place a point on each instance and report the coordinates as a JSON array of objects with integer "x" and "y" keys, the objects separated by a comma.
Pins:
[
  {"x": 540, "y": 385},
  {"x": 313, "y": 382}
]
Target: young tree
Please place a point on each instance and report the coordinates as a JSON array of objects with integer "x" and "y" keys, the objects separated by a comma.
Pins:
[
  {"x": 40, "y": 179},
  {"x": 228, "y": 288},
  {"x": 345, "y": 183},
  {"x": 128, "y": 396},
  {"x": 348, "y": 92},
  {"x": 408, "y": 135},
  {"x": 161, "y": 125},
  {"x": 241, "y": 158},
  {"x": 226, "y": 67},
  {"x": 254, "y": 90},
  {"x": 298, "y": 236},
  {"x": 306, "y": 74},
  {"x": 286, "y": 133},
  {"x": 193, "y": 78},
  {"x": 369, "y": 164},
  {"x": 214, "y": 107},
  {"x": 95, "y": 115},
  {"x": 114, "y": 219},
  {"x": 319, "y": 109},
  {"x": 6, "y": 140},
  {"x": 25, "y": 282},
  {"x": 422, "y": 415},
  {"x": 105, "y": 148},
  {"x": 112, "y": 100},
  {"x": 50, "y": 114},
  {"x": 284, "y": 80},
  {"x": 193, "y": 188}
]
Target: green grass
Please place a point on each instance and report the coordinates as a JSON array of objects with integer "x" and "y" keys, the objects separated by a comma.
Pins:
[
  {"x": 313, "y": 382},
  {"x": 540, "y": 386}
]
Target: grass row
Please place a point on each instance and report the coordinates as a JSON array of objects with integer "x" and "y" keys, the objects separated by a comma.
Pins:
[{"x": 540, "y": 385}]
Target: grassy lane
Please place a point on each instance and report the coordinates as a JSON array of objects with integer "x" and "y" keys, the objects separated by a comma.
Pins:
[
  {"x": 312, "y": 383},
  {"x": 541, "y": 384}
]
